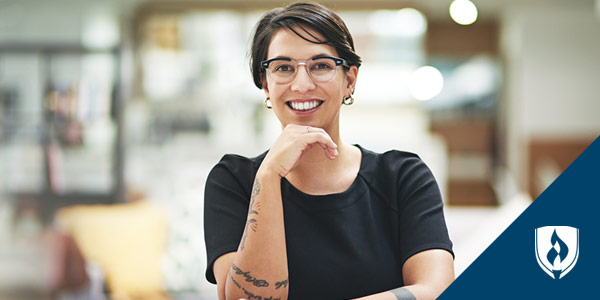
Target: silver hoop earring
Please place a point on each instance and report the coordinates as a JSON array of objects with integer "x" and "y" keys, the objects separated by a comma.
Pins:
[
  {"x": 348, "y": 100},
  {"x": 268, "y": 103}
]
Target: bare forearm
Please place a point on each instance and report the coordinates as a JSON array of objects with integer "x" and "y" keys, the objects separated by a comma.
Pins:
[{"x": 260, "y": 265}]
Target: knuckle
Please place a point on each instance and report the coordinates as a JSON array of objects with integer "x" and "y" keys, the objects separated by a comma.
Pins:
[{"x": 288, "y": 127}]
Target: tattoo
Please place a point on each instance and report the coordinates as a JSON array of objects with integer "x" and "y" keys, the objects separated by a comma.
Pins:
[
  {"x": 255, "y": 192},
  {"x": 248, "y": 223},
  {"x": 403, "y": 294},
  {"x": 253, "y": 209},
  {"x": 281, "y": 283},
  {"x": 250, "y": 294},
  {"x": 249, "y": 278}
]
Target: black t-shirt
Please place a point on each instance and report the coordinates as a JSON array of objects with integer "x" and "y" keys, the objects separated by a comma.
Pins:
[{"x": 343, "y": 245}]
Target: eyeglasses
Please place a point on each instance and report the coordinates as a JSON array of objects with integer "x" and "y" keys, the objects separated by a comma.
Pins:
[{"x": 320, "y": 69}]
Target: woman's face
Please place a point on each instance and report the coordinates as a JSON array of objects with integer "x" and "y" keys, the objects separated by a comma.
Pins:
[{"x": 289, "y": 99}]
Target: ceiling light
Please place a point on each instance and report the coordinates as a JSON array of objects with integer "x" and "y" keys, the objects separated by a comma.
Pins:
[{"x": 463, "y": 12}]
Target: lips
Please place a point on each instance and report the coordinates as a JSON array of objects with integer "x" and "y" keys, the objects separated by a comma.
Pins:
[{"x": 304, "y": 106}]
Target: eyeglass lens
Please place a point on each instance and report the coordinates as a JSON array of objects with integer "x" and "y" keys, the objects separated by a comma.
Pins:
[{"x": 320, "y": 69}]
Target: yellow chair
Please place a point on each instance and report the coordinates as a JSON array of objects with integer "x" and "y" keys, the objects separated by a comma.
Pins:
[{"x": 127, "y": 241}]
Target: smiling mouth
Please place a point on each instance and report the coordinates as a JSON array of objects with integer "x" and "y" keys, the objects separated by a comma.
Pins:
[{"x": 304, "y": 106}]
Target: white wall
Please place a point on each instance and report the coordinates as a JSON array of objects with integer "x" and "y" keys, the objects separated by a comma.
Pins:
[{"x": 552, "y": 55}]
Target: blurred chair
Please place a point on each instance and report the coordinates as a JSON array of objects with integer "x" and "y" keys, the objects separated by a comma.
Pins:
[
  {"x": 548, "y": 158},
  {"x": 127, "y": 241}
]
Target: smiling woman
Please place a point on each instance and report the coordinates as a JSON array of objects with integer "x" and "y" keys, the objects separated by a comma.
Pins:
[{"x": 315, "y": 217}]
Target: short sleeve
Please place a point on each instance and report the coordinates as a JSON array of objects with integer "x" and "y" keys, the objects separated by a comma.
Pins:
[
  {"x": 420, "y": 209},
  {"x": 226, "y": 200}
]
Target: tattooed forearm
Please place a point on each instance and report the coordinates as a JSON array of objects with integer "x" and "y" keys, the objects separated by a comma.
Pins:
[
  {"x": 250, "y": 294},
  {"x": 281, "y": 283},
  {"x": 249, "y": 223},
  {"x": 254, "y": 207},
  {"x": 252, "y": 210},
  {"x": 249, "y": 278}
]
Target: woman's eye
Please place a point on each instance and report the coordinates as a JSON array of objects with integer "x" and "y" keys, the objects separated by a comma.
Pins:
[
  {"x": 321, "y": 66},
  {"x": 284, "y": 68}
]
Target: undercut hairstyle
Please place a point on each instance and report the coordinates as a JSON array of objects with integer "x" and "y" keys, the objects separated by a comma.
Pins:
[{"x": 299, "y": 17}]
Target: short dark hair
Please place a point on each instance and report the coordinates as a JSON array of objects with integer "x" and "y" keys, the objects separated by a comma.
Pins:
[{"x": 301, "y": 14}]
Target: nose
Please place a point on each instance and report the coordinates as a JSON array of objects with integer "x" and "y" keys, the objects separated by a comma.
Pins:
[{"x": 302, "y": 82}]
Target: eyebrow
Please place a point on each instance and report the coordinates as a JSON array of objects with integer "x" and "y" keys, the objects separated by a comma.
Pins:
[{"x": 320, "y": 55}]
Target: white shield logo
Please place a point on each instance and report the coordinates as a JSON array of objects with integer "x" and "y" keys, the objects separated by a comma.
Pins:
[{"x": 557, "y": 249}]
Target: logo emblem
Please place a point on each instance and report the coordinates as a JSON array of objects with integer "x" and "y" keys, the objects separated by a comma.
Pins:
[{"x": 557, "y": 249}]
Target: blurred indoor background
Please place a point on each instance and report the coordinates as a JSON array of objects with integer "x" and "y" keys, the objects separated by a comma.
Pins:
[{"x": 113, "y": 112}]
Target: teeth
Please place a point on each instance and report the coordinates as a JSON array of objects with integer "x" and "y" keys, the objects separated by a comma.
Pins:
[{"x": 304, "y": 105}]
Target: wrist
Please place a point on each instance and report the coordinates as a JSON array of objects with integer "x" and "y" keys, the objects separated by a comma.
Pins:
[{"x": 265, "y": 173}]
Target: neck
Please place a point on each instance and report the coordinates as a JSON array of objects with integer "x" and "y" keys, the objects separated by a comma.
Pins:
[
  {"x": 315, "y": 166},
  {"x": 317, "y": 175}
]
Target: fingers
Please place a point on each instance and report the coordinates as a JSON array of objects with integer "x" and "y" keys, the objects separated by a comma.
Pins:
[
  {"x": 330, "y": 150},
  {"x": 294, "y": 141},
  {"x": 320, "y": 136}
]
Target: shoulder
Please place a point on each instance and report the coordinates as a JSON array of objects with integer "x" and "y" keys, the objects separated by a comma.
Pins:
[
  {"x": 238, "y": 168},
  {"x": 238, "y": 163},
  {"x": 396, "y": 174},
  {"x": 392, "y": 163}
]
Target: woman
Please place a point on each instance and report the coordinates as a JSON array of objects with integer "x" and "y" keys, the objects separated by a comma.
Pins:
[{"x": 314, "y": 217}]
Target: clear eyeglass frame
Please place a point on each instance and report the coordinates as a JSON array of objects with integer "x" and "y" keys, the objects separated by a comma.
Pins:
[{"x": 320, "y": 68}]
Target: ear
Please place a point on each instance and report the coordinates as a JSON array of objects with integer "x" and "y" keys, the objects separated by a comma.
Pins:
[
  {"x": 351, "y": 76},
  {"x": 265, "y": 86}
]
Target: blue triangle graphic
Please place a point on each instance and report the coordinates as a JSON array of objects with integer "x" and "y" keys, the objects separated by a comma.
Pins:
[{"x": 508, "y": 269}]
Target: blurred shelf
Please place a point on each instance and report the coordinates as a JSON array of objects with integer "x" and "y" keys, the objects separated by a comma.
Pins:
[{"x": 61, "y": 94}]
